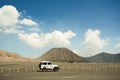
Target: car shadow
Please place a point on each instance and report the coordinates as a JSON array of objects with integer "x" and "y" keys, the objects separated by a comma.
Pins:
[{"x": 45, "y": 71}]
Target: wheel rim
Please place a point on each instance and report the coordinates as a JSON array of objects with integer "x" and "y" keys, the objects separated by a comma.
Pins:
[{"x": 56, "y": 69}]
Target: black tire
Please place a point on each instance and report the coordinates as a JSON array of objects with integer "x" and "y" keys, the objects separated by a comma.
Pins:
[
  {"x": 56, "y": 69},
  {"x": 40, "y": 66},
  {"x": 44, "y": 69}
]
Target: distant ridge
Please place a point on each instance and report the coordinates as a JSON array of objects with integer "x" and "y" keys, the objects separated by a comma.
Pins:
[
  {"x": 105, "y": 58},
  {"x": 6, "y": 56},
  {"x": 61, "y": 55}
]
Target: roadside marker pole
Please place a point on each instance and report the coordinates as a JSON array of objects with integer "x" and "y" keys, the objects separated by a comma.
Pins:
[
  {"x": 102, "y": 69},
  {"x": 89, "y": 68},
  {"x": 1, "y": 69},
  {"x": 33, "y": 69},
  {"x": 9, "y": 69},
  {"x": 17, "y": 69},
  {"x": 76, "y": 67},
  {"x": 26, "y": 69},
  {"x": 69, "y": 68},
  {"x": 83, "y": 68},
  {"x": 62, "y": 68},
  {"x": 108, "y": 69},
  {"x": 96, "y": 68},
  {"x": 115, "y": 67}
]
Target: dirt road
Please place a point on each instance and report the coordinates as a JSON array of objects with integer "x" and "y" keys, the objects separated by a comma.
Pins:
[{"x": 61, "y": 75}]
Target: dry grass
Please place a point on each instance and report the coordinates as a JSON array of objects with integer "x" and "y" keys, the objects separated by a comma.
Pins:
[
  {"x": 63, "y": 66},
  {"x": 68, "y": 71}
]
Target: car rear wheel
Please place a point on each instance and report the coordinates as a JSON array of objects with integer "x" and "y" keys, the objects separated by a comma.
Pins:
[{"x": 44, "y": 69}]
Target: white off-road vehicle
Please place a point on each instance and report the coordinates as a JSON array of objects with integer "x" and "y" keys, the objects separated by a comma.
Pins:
[{"x": 48, "y": 66}]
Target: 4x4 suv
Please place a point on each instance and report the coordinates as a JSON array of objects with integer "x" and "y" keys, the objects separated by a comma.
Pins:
[{"x": 47, "y": 65}]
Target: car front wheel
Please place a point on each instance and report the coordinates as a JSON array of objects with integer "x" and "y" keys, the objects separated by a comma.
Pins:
[{"x": 56, "y": 69}]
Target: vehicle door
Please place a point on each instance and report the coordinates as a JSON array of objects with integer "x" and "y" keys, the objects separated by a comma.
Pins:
[{"x": 49, "y": 65}]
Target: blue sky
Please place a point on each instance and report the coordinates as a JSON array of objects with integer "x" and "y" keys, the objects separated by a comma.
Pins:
[{"x": 87, "y": 27}]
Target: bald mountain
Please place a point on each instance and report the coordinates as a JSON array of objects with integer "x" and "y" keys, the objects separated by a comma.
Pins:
[
  {"x": 61, "y": 55},
  {"x": 105, "y": 58}
]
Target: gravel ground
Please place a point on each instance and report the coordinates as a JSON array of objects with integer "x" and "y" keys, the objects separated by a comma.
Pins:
[{"x": 61, "y": 75}]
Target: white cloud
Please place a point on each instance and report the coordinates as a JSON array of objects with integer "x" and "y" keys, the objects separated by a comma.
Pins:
[
  {"x": 118, "y": 44},
  {"x": 8, "y": 15},
  {"x": 10, "y": 21},
  {"x": 42, "y": 40},
  {"x": 34, "y": 29},
  {"x": 93, "y": 42},
  {"x": 28, "y": 22},
  {"x": 76, "y": 51},
  {"x": 13, "y": 30},
  {"x": 33, "y": 39}
]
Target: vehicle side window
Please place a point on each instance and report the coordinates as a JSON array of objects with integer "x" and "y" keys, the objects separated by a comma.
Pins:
[
  {"x": 49, "y": 63},
  {"x": 44, "y": 63}
]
